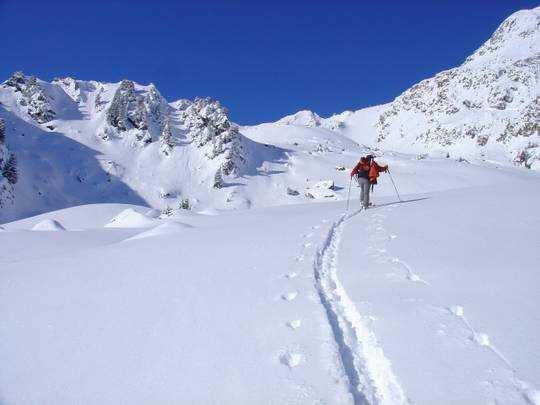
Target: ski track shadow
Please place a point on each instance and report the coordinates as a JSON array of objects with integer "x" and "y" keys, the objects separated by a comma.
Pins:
[
  {"x": 401, "y": 202},
  {"x": 232, "y": 184}
]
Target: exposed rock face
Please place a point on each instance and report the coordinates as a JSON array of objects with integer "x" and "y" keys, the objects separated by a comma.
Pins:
[
  {"x": 492, "y": 98},
  {"x": 147, "y": 148},
  {"x": 31, "y": 96},
  {"x": 142, "y": 112},
  {"x": 126, "y": 110},
  {"x": 212, "y": 132}
]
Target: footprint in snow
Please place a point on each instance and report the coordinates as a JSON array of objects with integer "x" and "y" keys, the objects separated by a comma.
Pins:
[
  {"x": 482, "y": 339},
  {"x": 290, "y": 296},
  {"x": 291, "y": 275},
  {"x": 291, "y": 359},
  {"x": 415, "y": 278},
  {"x": 306, "y": 245},
  {"x": 457, "y": 310},
  {"x": 294, "y": 324},
  {"x": 411, "y": 276}
]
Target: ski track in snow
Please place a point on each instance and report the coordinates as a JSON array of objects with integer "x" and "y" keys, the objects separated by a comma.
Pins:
[
  {"x": 371, "y": 380},
  {"x": 527, "y": 391}
]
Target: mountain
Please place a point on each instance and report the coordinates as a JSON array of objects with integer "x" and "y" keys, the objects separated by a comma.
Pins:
[
  {"x": 78, "y": 142},
  {"x": 84, "y": 141},
  {"x": 75, "y": 142},
  {"x": 488, "y": 107},
  {"x": 428, "y": 301},
  {"x": 145, "y": 280}
]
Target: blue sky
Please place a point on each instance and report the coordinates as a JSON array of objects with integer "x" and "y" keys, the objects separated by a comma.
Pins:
[{"x": 261, "y": 59}]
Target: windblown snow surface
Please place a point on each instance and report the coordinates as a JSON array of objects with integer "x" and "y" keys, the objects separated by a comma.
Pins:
[
  {"x": 178, "y": 259},
  {"x": 432, "y": 300}
]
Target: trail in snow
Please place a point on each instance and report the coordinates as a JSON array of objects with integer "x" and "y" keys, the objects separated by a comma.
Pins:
[
  {"x": 529, "y": 393},
  {"x": 371, "y": 380}
]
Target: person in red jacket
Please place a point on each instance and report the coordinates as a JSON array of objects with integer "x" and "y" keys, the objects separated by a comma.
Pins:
[{"x": 366, "y": 172}]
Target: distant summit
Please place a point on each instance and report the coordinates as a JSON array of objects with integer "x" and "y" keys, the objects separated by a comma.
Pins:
[{"x": 487, "y": 107}]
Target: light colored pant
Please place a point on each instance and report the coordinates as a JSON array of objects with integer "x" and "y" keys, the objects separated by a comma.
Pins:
[{"x": 365, "y": 187}]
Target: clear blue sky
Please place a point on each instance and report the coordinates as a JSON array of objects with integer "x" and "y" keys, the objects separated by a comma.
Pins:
[{"x": 261, "y": 59}]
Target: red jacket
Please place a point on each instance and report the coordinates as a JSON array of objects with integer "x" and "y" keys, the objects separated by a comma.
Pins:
[{"x": 372, "y": 169}]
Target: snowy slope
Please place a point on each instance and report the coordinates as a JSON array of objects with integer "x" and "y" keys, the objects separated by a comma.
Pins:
[
  {"x": 450, "y": 292},
  {"x": 79, "y": 142},
  {"x": 427, "y": 301},
  {"x": 488, "y": 107},
  {"x": 144, "y": 278},
  {"x": 80, "y": 159}
]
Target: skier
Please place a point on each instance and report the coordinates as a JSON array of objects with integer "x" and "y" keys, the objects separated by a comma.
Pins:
[{"x": 366, "y": 172}]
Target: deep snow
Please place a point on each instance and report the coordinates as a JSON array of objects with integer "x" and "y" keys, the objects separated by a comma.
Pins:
[
  {"x": 427, "y": 301},
  {"x": 264, "y": 288},
  {"x": 80, "y": 142}
]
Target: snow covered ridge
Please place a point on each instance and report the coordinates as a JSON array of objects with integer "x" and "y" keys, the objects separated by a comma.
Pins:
[
  {"x": 30, "y": 94},
  {"x": 115, "y": 139},
  {"x": 491, "y": 101},
  {"x": 75, "y": 142},
  {"x": 489, "y": 106},
  {"x": 310, "y": 119}
]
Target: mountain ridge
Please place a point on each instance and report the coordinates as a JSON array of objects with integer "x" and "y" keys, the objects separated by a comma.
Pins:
[{"x": 73, "y": 141}]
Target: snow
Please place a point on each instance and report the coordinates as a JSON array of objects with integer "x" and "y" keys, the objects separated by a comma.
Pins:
[
  {"x": 272, "y": 288},
  {"x": 129, "y": 218},
  {"x": 303, "y": 118},
  {"x": 421, "y": 301},
  {"x": 484, "y": 110},
  {"x": 472, "y": 322},
  {"x": 48, "y": 225},
  {"x": 167, "y": 228}
]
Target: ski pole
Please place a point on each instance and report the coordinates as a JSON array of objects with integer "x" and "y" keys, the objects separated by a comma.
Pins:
[
  {"x": 394, "y": 184},
  {"x": 349, "y": 193}
]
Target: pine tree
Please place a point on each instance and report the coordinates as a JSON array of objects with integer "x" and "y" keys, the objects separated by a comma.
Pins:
[
  {"x": 218, "y": 179},
  {"x": 184, "y": 204},
  {"x": 2, "y": 131},
  {"x": 166, "y": 140},
  {"x": 8, "y": 162},
  {"x": 167, "y": 212},
  {"x": 9, "y": 171}
]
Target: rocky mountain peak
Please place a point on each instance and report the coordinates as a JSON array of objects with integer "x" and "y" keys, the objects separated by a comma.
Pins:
[{"x": 31, "y": 96}]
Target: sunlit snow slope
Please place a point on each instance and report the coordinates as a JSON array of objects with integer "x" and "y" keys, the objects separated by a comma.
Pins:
[
  {"x": 155, "y": 252},
  {"x": 76, "y": 142},
  {"x": 431, "y": 300}
]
